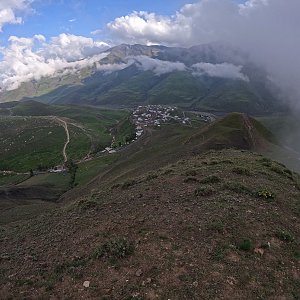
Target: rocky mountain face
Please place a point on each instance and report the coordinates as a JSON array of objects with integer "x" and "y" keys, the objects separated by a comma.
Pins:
[{"x": 206, "y": 77}]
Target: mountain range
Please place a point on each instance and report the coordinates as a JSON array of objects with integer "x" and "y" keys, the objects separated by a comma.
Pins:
[{"x": 210, "y": 77}]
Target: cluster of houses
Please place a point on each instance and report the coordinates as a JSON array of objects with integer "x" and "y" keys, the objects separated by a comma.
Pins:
[
  {"x": 206, "y": 117},
  {"x": 156, "y": 115}
]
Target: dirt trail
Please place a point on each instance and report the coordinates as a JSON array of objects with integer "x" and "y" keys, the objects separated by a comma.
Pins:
[{"x": 65, "y": 125}]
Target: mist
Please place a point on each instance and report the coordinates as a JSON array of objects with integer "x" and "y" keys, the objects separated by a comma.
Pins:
[{"x": 267, "y": 30}]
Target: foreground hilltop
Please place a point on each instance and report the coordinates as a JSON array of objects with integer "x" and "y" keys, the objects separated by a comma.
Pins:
[
  {"x": 224, "y": 224},
  {"x": 179, "y": 215}
]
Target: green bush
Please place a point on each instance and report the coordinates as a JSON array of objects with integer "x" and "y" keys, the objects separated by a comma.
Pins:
[
  {"x": 151, "y": 176},
  {"x": 241, "y": 171},
  {"x": 87, "y": 204},
  {"x": 190, "y": 180},
  {"x": 211, "y": 179},
  {"x": 217, "y": 226},
  {"x": 204, "y": 191},
  {"x": 238, "y": 188},
  {"x": 245, "y": 245},
  {"x": 129, "y": 183},
  {"x": 266, "y": 194},
  {"x": 114, "y": 249},
  {"x": 284, "y": 236},
  {"x": 191, "y": 173}
]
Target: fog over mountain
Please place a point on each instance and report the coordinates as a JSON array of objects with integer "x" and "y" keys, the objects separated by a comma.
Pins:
[{"x": 267, "y": 30}]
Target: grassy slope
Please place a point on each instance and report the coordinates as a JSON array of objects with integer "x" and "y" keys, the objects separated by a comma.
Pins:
[
  {"x": 29, "y": 142},
  {"x": 198, "y": 225},
  {"x": 195, "y": 236},
  {"x": 93, "y": 135},
  {"x": 124, "y": 132}
]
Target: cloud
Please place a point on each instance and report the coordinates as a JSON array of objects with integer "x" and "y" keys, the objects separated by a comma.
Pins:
[
  {"x": 224, "y": 70},
  {"x": 147, "y": 28},
  {"x": 157, "y": 66},
  {"x": 266, "y": 29},
  {"x": 33, "y": 58},
  {"x": 96, "y": 32},
  {"x": 72, "y": 47},
  {"x": 10, "y": 9},
  {"x": 109, "y": 68}
]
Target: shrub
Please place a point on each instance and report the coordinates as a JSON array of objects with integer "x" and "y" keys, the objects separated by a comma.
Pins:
[
  {"x": 87, "y": 204},
  {"x": 238, "y": 188},
  {"x": 190, "y": 180},
  {"x": 114, "y": 249},
  {"x": 129, "y": 183},
  {"x": 227, "y": 161},
  {"x": 191, "y": 173},
  {"x": 115, "y": 186},
  {"x": 266, "y": 194},
  {"x": 245, "y": 245},
  {"x": 276, "y": 169},
  {"x": 297, "y": 254},
  {"x": 217, "y": 226},
  {"x": 204, "y": 191},
  {"x": 151, "y": 176},
  {"x": 265, "y": 162},
  {"x": 220, "y": 251},
  {"x": 241, "y": 171},
  {"x": 168, "y": 171},
  {"x": 284, "y": 236},
  {"x": 211, "y": 179}
]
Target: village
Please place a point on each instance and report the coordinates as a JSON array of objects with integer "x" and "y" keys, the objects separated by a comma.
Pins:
[{"x": 156, "y": 115}]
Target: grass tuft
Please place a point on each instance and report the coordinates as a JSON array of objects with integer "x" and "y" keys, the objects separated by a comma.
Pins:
[
  {"x": 211, "y": 179},
  {"x": 265, "y": 194},
  {"x": 115, "y": 249},
  {"x": 241, "y": 171},
  {"x": 237, "y": 187},
  {"x": 129, "y": 183},
  {"x": 284, "y": 235},
  {"x": 245, "y": 245},
  {"x": 204, "y": 191}
]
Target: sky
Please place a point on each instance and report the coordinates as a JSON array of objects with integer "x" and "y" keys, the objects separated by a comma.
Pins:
[
  {"x": 43, "y": 37},
  {"x": 87, "y": 18},
  {"x": 79, "y": 17}
]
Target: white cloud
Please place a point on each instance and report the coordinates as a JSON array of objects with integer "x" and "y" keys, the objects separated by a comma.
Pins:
[
  {"x": 157, "y": 66},
  {"x": 267, "y": 29},
  {"x": 72, "y": 47},
  {"x": 10, "y": 9},
  {"x": 109, "y": 68},
  {"x": 147, "y": 28},
  {"x": 33, "y": 58},
  {"x": 224, "y": 70},
  {"x": 96, "y": 32}
]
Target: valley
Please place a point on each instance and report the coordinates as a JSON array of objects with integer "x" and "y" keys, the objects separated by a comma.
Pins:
[
  {"x": 152, "y": 173},
  {"x": 179, "y": 200}
]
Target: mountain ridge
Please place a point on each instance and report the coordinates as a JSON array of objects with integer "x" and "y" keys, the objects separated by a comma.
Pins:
[{"x": 124, "y": 77}]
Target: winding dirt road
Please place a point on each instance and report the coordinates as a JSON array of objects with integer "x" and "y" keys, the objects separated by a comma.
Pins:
[{"x": 65, "y": 125}]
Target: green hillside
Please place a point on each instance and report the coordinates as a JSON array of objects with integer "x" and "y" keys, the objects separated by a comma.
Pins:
[
  {"x": 135, "y": 84},
  {"x": 168, "y": 217},
  {"x": 32, "y": 135}
]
